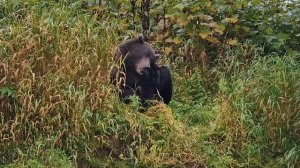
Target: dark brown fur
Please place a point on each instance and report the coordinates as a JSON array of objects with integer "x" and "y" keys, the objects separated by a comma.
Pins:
[{"x": 139, "y": 74}]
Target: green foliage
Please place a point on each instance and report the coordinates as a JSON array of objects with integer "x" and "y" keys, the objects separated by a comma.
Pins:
[
  {"x": 7, "y": 91},
  {"x": 204, "y": 26},
  {"x": 273, "y": 24},
  {"x": 192, "y": 99},
  {"x": 48, "y": 158}
]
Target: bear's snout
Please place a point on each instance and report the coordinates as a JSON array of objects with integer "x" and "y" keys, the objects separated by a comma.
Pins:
[
  {"x": 146, "y": 72},
  {"x": 142, "y": 64}
]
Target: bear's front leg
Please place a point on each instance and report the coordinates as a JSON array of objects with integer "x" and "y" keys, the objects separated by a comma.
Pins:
[
  {"x": 164, "y": 84},
  {"x": 125, "y": 94},
  {"x": 147, "y": 86}
]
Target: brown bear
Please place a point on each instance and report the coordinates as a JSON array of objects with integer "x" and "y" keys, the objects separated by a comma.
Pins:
[{"x": 140, "y": 74}]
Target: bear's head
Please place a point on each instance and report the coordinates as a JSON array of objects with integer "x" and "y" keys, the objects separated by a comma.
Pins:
[{"x": 137, "y": 55}]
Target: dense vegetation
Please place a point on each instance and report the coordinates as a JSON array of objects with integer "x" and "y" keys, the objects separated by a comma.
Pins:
[{"x": 235, "y": 66}]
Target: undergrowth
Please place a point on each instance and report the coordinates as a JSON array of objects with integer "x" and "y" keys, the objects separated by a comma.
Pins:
[{"x": 57, "y": 108}]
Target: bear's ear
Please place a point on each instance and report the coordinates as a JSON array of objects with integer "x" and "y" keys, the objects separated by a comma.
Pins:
[{"x": 140, "y": 38}]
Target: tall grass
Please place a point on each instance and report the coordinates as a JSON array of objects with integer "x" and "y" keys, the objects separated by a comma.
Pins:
[
  {"x": 264, "y": 100},
  {"x": 55, "y": 58},
  {"x": 252, "y": 118},
  {"x": 57, "y": 108}
]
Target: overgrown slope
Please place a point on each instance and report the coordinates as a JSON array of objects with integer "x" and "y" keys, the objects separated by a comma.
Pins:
[{"x": 57, "y": 108}]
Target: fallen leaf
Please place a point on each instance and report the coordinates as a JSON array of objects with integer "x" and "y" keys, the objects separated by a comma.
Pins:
[
  {"x": 168, "y": 50},
  {"x": 203, "y": 35},
  {"x": 212, "y": 39},
  {"x": 231, "y": 20},
  {"x": 212, "y": 24},
  {"x": 220, "y": 28},
  {"x": 232, "y": 42},
  {"x": 181, "y": 21},
  {"x": 169, "y": 40},
  {"x": 177, "y": 40}
]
